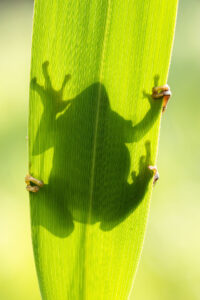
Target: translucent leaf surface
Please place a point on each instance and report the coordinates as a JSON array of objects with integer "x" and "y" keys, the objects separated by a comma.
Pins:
[{"x": 93, "y": 131}]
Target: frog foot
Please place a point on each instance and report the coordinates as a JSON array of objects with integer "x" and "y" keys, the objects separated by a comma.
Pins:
[
  {"x": 155, "y": 173},
  {"x": 33, "y": 184},
  {"x": 162, "y": 91}
]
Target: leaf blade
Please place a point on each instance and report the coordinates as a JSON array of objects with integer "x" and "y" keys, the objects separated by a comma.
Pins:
[{"x": 91, "y": 48}]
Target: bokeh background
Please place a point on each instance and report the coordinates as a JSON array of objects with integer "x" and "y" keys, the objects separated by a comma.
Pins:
[{"x": 170, "y": 263}]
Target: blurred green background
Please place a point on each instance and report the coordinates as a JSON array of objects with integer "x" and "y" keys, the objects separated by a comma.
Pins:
[{"x": 170, "y": 264}]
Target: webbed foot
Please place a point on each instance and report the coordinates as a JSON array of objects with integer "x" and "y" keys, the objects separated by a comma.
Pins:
[
  {"x": 33, "y": 184},
  {"x": 155, "y": 173}
]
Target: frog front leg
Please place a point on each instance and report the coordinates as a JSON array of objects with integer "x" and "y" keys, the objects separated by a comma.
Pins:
[
  {"x": 135, "y": 133},
  {"x": 162, "y": 91}
]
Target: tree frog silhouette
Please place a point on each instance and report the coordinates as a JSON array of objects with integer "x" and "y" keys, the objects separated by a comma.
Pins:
[{"x": 88, "y": 182}]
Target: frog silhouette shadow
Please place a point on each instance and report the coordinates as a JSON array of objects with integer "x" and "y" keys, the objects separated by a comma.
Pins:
[{"x": 91, "y": 163}]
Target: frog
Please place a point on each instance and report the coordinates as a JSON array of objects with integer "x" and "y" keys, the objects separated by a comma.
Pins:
[{"x": 103, "y": 194}]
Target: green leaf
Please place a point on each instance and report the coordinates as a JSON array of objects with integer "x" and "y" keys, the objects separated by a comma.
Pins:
[{"x": 93, "y": 131}]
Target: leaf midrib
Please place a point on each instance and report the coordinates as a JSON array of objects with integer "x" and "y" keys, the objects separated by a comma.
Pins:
[{"x": 105, "y": 39}]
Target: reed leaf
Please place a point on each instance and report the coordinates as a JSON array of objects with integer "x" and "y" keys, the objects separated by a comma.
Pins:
[{"x": 93, "y": 131}]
